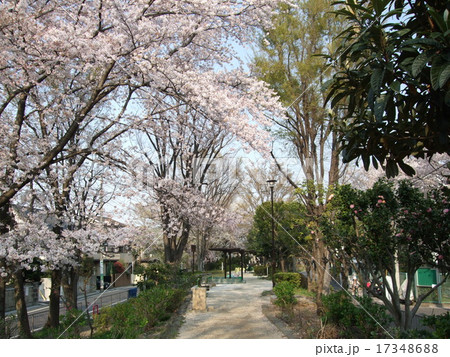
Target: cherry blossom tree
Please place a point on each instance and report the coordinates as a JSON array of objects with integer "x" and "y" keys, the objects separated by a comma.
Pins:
[
  {"x": 64, "y": 64},
  {"x": 180, "y": 148},
  {"x": 61, "y": 56},
  {"x": 222, "y": 187},
  {"x": 430, "y": 173}
]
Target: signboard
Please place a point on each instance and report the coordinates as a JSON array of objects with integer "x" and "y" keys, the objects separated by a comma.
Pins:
[{"x": 426, "y": 277}]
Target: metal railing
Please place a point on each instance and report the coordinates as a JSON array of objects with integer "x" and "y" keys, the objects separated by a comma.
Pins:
[{"x": 37, "y": 318}]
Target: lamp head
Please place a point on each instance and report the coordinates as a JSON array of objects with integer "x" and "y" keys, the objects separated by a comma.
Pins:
[{"x": 271, "y": 183}]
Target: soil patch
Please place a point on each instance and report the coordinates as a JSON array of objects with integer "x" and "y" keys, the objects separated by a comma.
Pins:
[{"x": 300, "y": 323}]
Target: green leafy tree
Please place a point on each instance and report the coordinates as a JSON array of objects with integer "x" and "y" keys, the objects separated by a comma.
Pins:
[
  {"x": 287, "y": 59},
  {"x": 385, "y": 228},
  {"x": 290, "y": 231},
  {"x": 392, "y": 79}
]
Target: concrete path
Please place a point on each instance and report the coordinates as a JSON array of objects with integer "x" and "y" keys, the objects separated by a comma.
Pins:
[{"x": 234, "y": 312}]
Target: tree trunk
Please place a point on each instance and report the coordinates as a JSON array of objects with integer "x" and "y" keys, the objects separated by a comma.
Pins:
[
  {"x": 88, "y": 316},
  {"x": 21, "y": 306},
  {"x": 2, "y": 307},
  {"x": 344, "y": 273},
  {"x": 169, "y": 248},
  {"x": 186, "y": 229},
  {"x": 173, "y": 249},
  {"x": 70, "y": 279},
  {"x": 55, "y": 296},
  {"x": 202, "y": 249},
  {"x": 326, "y": 278},
  {"x": 283, "y": 265},
  {"x": 6, "y": 224},
  {"x": 2, "y": 295},
  {"x": 333, "y": 174},
  {"x": 321, "y": 270}
]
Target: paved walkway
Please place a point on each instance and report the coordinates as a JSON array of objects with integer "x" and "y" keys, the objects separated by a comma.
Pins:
[{"x": 234, "y": 312}]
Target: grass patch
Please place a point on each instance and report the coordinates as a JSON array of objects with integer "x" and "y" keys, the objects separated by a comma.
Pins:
[
  {"x": 215, "y": 273},
  {"x": 304, "y": 292}
]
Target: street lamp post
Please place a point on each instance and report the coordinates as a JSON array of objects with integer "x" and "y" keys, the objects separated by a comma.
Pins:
[
  {"x": 272, "y": 185},
  {"x": 102, "y": 275}
]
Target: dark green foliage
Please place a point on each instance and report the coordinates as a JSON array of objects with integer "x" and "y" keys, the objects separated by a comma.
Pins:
[
  {"x": 134, "y": 317},
  {"x": 285, "y": 292},
  {"x": 87, "y": 267},
  {"x": 353, "y": 318},
  {"x": 120, "y": 321},
  {"x": 158, "y": 303},
  {"x": 290, "y": 230},
  {"x": 70, "y": 327},
  {"x": 385, "y": 224},
  {"x": 411, "y": 334},
  {"x": 165, "y": 289},
  {"x": 261, "y": 270},
  {"x": 154, "y": 274},
  {"x": 293, "y": 278},
  {"x": 393, "y": 80},
  {"x": 160, "y": 274},
  {"x": 440, "y": 325}
]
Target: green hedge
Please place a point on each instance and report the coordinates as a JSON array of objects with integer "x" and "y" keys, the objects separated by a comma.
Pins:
[
  {"x": 71, "y": 324},
  {"x": 285, "y": 293},
  {"x": 260, "y": 270},
  {"x": 293, "y": 278},
  {"x": 138, "y": 315},
  {"x": 440, "y": 325},
  {"x": 352, "y": 320}
]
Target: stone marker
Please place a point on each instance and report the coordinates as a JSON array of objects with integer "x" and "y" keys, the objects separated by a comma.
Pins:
[{"x": 198, "y": 298}]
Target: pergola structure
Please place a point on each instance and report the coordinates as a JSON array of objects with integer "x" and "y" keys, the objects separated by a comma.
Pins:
[{"x": 229, "y": 252}]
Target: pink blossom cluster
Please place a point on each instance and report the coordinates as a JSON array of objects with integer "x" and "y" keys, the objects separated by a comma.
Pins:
[{"x": 77, "y": 75}]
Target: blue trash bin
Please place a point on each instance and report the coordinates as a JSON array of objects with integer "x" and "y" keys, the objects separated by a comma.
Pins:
[{"x": 132, "y": 293}]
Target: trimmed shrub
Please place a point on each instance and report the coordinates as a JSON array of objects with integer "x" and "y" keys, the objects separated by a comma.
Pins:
[
  {"x": 294, "y": 278},
  {"x": 285, "y": 292},
  {"x": 352, "y": 320},
  {"x": 120, "y": 321},
  {"x": 71, "y": 325},
  {"x": 260, "y": 270},
  {"x": 155, "y": 274},
  {"x": 134, "y": 317},
  {"x": 158, "y": 303},
  {"x": 440, "y": 325}
]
